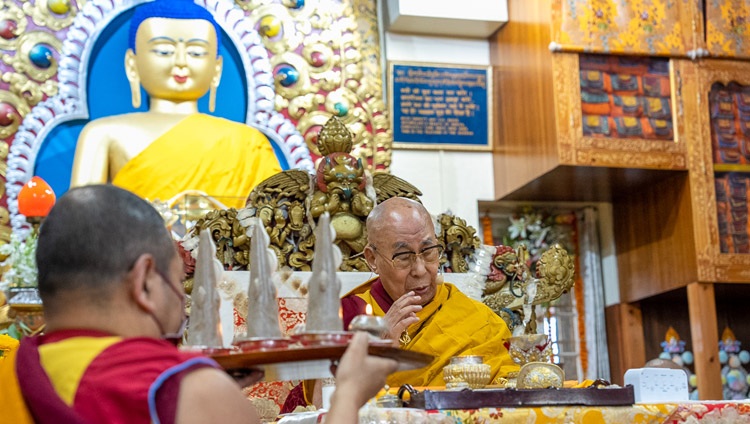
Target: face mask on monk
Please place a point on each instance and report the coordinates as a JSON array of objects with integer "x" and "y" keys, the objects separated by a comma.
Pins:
[{"x": 176, "y": 336}]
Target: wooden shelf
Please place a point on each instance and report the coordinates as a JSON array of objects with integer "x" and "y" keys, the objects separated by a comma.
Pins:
[
  {"x": 698, "y": 79},
  {"x": 654, "y": 239},
  {"x": 539, "y": 127},
  {"x": 588, "y": 184}
]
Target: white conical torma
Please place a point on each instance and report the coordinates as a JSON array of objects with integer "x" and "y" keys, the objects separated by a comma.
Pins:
[
  {"x": 205, "y": 322},
  {"x": 263, "y": 309},
  {"x": 324, "y": 285}
]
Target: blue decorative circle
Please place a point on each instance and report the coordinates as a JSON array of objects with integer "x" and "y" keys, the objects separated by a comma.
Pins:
[
  {"x": 665, "y": 355},
  {"x": 723, "y": 358},
  {"x": 298, "y": 4},
  {"x": 41, "y": 56},
  {"x": 341, "y": 108},
  {"x": 687, "y": 357},
  {"x": 744, "y": 356},
  {"x": 287, "y": 75}
]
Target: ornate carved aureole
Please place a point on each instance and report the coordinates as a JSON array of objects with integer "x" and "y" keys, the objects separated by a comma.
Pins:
[
  {"x": 325, "y": 56},
  {"x": 575, "y": 148},
  {"x": 303, "y": 61},
  {"x": 697, "y": 82}
]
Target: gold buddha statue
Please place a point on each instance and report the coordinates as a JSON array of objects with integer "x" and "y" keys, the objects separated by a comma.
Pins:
[{"x": 172, "y": 148}]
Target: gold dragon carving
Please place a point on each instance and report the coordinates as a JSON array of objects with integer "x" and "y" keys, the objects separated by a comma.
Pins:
[
  {"x": 506, "y": 285},
  {"x": 460, "y": 241}
]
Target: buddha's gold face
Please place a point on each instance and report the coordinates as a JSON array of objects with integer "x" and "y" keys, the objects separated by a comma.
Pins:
[{"x": 176, "y": 59}]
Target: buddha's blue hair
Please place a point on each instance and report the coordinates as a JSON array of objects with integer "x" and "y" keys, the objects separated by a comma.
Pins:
[{"x": 171, "y": 9}]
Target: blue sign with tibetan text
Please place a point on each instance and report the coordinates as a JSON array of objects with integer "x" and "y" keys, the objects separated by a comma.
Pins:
[{"x": 440, "y": 106}]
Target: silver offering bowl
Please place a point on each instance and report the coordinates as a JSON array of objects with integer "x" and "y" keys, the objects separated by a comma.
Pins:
[
  {"x": 375, "y": 326},
  {"x": 256, "y": 344},
  {"x": 323, "y": 338}
]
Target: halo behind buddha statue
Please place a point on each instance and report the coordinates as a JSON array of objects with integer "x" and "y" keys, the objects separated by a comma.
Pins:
[{"x": 99, "y": 23}]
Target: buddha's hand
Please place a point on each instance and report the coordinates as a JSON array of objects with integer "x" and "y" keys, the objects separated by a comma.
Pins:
[{"x": 402, "y": 314}]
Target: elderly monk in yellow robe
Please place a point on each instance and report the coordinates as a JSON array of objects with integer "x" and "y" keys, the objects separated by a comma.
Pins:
[
  {"x": 424, "y": 314},
  {"x": 172, "y": 148}
]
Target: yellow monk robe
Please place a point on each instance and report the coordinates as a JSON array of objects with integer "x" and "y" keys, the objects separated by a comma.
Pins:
[
  {"x": 450, "y": 325},
  {"x": 12, "y": 406},
  {"x": 222, "y": 158}
]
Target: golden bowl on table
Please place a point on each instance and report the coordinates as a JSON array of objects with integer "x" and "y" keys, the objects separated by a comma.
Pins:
[
  {"x": 540, "y": 375},
  {"x": 466, "y": 371}
]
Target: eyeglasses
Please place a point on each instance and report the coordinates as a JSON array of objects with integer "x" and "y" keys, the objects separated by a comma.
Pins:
[{"x": 406, "y": 260}]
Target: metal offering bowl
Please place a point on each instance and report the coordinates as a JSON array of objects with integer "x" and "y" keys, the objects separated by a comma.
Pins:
[
  {"x": 371, "y": 324},
  {"x": 255, "y": 344},
  {"x": 468, "y": 359},
  {"x": 210, "y": 350},
  {"x": 320, "y": 338},
  {"x": 475, "y": 375},
  {"x": 529, "y": 348},
  {"x": 540, "y": 375}
]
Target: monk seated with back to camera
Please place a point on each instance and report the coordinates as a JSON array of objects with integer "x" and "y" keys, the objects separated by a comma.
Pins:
[
  {"x": 423, "y": 313},
  {"x": 110, "y": 279}
]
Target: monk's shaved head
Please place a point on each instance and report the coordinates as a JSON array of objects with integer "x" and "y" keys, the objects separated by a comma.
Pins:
[
  {"x": 392, "y": 211},
  {"x": 91, "y": 239}
]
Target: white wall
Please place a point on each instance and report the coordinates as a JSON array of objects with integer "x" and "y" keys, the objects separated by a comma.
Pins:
[
  {"x": 449, "y": 180},
  {"x": 473, "y": 19},
  {"x": 478, "y": 10}
]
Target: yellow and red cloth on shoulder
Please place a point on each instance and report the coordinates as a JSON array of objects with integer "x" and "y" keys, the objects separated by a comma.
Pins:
[
  {"x": 451, "y": 324},
  {"x": 221, "y": 158},
  {"x": 77, "y": 376}
]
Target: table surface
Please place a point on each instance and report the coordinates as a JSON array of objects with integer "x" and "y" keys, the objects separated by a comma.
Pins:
[
  {"x": 729, "y": 412},
  {"x": 724, "y": 412}
]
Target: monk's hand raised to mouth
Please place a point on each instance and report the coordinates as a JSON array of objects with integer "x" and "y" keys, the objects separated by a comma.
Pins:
[{"x": 402, "y": 314}]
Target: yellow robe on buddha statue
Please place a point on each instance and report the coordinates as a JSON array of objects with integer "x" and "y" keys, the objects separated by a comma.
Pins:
[
  {"x": 450, "y": 325},
  {"x": 221, "y": 158}
]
